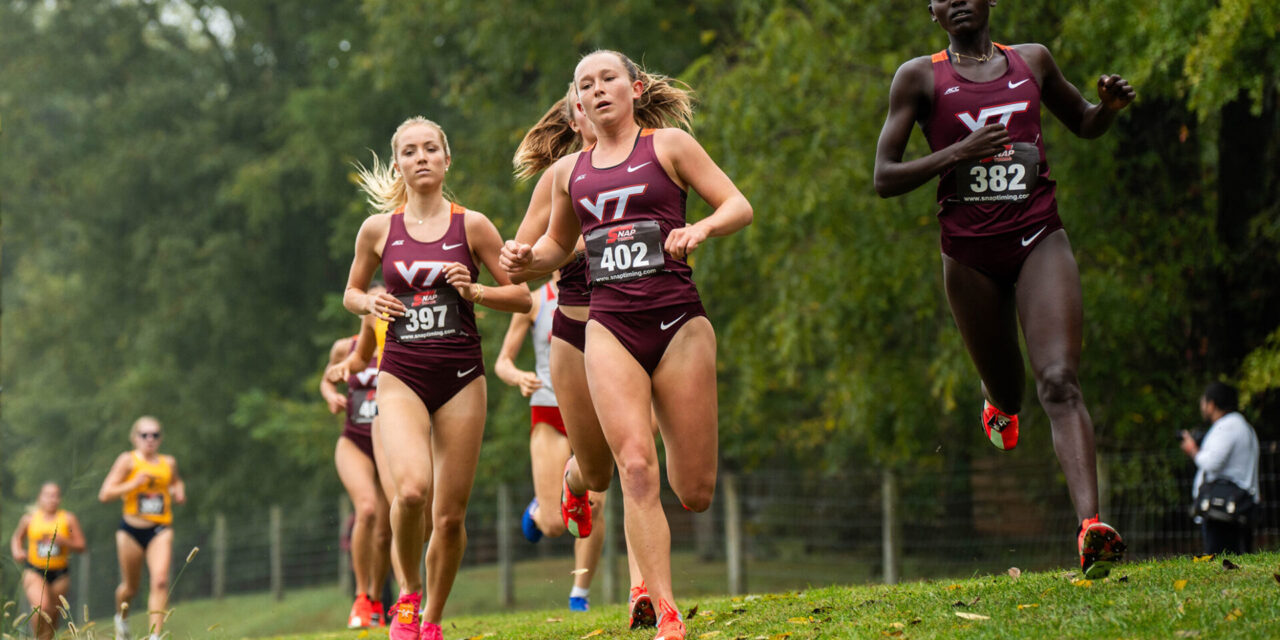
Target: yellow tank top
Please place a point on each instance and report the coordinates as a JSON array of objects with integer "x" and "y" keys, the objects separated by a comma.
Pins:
[
  {"x": 151, "y": 501},
  {"x": 380, "y": 336},
  {"x": 45, "y": 548}
]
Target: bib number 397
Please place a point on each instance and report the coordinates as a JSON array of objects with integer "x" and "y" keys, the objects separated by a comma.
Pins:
[
  {"x": 429, "y": 314},
  {"x": 626, "y": 251},
  {"x": 1006, "y": 177}
]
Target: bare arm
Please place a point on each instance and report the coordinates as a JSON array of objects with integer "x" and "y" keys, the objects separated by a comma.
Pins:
[
  {"x": 114, "y": 485},
  {"x": 328, "y": 389},
  {"x": 16, "y": 547},
  {"x": 1083, "y": 118},
  {"x": 563, "y": 230},
  {"x": 694, "y": 168},
  {"x": 177, "y": 486},
  {"x": 74, "y": 542},
  {"x": 359, "y": 359},
  {"x": 486, "y": 245},
  {"x": 505, "y": 365},
  {"x": 368, "y": 257},
  {"x": 909, "y": 98},
  {"x": 535, "y": 222}
]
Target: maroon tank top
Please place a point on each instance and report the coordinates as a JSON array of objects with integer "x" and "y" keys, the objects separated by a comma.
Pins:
[
  {"x": 362, "y": 386},
  {"x": 626, "y": 212},
  {"x": 574, "y": 291},
  {"x": 438, "y": 319},
  {"x": 1010, "y": 191}
]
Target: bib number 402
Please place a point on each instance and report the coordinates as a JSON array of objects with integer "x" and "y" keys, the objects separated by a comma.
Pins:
[{"x": 623, "y": 256}]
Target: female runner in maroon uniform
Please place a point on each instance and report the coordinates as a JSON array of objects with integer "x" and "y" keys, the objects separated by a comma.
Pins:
[
  {"x": 648, "y": 341},
  {"x": 353, "y": 456},
  {"x": 431, "y": 390},
  {"x": 1005, "y": 255}
]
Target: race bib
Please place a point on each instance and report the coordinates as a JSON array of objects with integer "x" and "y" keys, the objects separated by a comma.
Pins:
[
  {"x": 150, "y": 504},
  {"x": 48, "y": 549},
  {"x": 1009, "y": 176},
  {"x": 626, "y": 251},
  {"x": 429, "y": 315},
  {"x": 362, "y": 406}
]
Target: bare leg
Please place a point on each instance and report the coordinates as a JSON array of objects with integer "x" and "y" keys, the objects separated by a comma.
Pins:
[
  {"x": 404, "y": 426},
  {"x": 159, "y": 558},
  {"x": 455, "y": 446},
  {"x": 40, "y": 595},
  {"x": 356, "y": 471},
  {"x": 130, "y": 554},
  {"x": 1051, "y": 308},
  {"x": 548, "y": 451},
  {"x": 586, "y": 551},
  {"x": 985, "y": 314},
  {"x": 592, "y": 466}
]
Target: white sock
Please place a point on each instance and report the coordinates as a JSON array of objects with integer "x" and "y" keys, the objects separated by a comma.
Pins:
[{"x": 579, "y": 592}]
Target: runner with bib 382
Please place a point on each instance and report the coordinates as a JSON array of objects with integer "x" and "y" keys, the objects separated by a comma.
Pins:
[{"x": 1005, "y": 255}]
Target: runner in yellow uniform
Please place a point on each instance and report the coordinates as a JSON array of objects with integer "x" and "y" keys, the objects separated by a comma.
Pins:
[
  {"x": 149, "y": 485},
  {"x": 51, "y": 534}
]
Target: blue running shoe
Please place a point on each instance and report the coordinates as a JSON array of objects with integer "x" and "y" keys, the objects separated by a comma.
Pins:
[
  {"x": 579, "y": 604},
  {"x": 530, "y": 528}
]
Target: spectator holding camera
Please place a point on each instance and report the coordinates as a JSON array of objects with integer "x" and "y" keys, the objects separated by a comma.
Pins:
[{"x": 1226, "y": 484}]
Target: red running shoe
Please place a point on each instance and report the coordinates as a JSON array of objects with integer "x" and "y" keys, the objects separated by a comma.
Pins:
[
  {"x": 670, "y": 627},
  {"x": 1100, "y": 548},
  {"x": 642, "y": 614},
  {"x": 1001, "y": 428},
  {"x": 574, "y": 509},
  {"x": 361, "y": 613},
  {"x": 431, "y": 631},
  {"x": 378, "y": 619},
  {"x": 407, "y": 624}
]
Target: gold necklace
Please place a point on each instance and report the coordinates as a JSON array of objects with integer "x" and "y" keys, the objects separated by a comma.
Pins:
[{"x": 979, "y": 59}]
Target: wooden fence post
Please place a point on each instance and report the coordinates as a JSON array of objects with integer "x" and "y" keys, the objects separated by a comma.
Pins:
[
  {"x": 733, "y": 555},
  {"x": 277, "y": 553},
  {"x": 219, "y": 555},
  {"x": 890, "y": 527},
  {"x": 506, "y": 575}
]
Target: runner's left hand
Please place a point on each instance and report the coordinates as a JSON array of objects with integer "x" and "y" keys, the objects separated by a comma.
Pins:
[
  {"x": 681, "y": 242},
  {"x": 459, "y": 277},
  {"x": 1115, "y": 92}
]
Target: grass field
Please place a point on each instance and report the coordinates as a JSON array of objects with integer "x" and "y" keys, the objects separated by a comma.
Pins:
[{"x": 1172, "y": 598}]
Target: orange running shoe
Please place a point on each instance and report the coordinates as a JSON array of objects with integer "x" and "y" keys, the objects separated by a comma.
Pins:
[
  {"x": 670, "y": 626},
  {"x": 1100, "y": 548},
  {"x": 379, "y": 618},
  {"x": 1001, "y": 428},
  {"x": 642, "y": 614},
  {"x": 361, "y": 613},
  {"x": 575, "y": 509},
  {"x": 407, "y": 624}
]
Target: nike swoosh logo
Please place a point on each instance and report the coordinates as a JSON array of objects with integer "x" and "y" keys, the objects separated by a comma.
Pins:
[
  {"x": 1027, "y": 241},
  {"x": 1015, "y": 85},
  {"x": 668, "y": 325},
  {"x": 448, "y": 247},
  {"x": 462, "y": 374},
  {"x": 631, "y": 169}
]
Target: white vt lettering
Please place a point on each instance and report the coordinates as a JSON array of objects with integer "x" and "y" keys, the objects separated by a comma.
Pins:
[
  {"x": 621, "y": 195},
  {"x": 1004, "y": 112},
  {"x": 410, "y": 271}
]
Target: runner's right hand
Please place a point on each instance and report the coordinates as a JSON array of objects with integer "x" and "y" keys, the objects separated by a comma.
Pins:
[
  {"x": 384, "y": 306},
  {"x": 515, "y": 256},
  {"x": 983, "y": 143},
  {"x": 529, "y": 383}
]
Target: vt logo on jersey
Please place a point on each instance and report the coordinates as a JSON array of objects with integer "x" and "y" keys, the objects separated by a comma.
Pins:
[
  {"x": 368, "y": 375},
  {"x": 411, "y": 270},
  {"x": 621, "y": 233},
  {"x": 621, "y": 195},
  {"x": 1002, "y": 112}
]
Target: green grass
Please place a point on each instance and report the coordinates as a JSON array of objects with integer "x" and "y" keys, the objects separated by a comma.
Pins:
[{"x": 1144, "y": 600}]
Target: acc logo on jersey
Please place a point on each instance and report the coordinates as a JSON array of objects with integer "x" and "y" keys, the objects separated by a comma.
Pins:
[
  {"x": 410, "y": 271},
  {"x": 1002, "y": 112},
  {"x": 621, "y": 195},
  {"x": 622, "y": 233}
]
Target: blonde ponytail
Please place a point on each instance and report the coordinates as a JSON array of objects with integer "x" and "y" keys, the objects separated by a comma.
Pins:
[
  {"x": 384, "y": 185},
  {"x": 552, "y": 138}
]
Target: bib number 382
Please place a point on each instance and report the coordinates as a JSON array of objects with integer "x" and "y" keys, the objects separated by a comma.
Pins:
[
  {"x": 1006, "y": 177},
  {"x": 625, "y": 251},
  {"x": 429, "y": 314}
]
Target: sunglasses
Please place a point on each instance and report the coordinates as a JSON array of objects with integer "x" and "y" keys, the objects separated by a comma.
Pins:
[{"x": 149, "y": 435}]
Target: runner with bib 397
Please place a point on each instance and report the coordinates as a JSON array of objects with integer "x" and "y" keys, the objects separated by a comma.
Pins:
[
  {"x": 1005, "y": 255},
  {"x": 648, "y": 339}
]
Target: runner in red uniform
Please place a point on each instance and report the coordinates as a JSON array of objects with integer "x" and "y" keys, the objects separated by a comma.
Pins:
[
  {"x": 353, "y": 456},
  {"x": 431, "y": 390},
  {"x": 1005, "y": 255},
  {"x": 648, "y": 340},
  {"x": 563, "y": 130}
]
